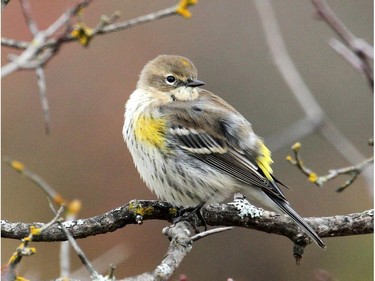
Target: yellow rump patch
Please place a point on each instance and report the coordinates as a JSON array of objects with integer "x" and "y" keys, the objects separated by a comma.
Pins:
[
  {"x": 150, "y": 131},
  {"x": 264, "y": 161}
]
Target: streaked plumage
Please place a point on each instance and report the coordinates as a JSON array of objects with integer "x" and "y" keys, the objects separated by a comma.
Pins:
[{"x": 190, "y": 146}]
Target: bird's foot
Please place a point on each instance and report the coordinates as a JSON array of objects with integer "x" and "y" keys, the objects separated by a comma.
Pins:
[{"x": 188, "y": 213}]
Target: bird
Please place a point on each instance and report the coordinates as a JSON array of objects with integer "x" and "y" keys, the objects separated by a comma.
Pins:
[{"x": 191, "y": 147}]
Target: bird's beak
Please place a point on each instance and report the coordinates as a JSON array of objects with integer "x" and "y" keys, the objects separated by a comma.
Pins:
[{"x": 194, "y": 83}]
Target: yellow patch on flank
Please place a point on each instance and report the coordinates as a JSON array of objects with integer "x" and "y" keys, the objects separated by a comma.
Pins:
[
  {"x": 150, "y": 131},
  {"x": 264, "y": 161}
]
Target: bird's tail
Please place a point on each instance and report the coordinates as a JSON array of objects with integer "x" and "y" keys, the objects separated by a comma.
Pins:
[{"x": 286, "y": 208}]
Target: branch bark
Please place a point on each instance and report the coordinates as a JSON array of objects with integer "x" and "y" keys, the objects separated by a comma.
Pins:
[{"x": 136, "y": 212}]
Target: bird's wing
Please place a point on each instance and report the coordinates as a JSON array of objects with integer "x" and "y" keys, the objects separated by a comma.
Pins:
[
  {"x": 217, "y": 153},
  {"x": 216, "y": 143}
]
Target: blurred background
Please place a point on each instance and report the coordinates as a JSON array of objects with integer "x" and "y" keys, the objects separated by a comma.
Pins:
[{"x": 84, "y": 156}]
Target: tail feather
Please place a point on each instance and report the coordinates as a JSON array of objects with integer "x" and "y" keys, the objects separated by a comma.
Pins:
[{"x": 300, "y": 221}]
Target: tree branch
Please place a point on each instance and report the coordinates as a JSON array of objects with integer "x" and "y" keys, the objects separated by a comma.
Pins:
[
  {"x": 214, "y": 215},
  {"x": 179, "y": 246}
]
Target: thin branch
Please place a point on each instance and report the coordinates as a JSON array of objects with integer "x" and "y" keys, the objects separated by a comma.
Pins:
[
  {"x": 27, "y": 14},
  {"x": 353, "y": 171},
  {"x": 73, "y": 208},
  {"x": 85, "y": 261},
  {"x": 206, "y": 233},
  {"x": 326, "y": 13},
  {"x": 12, "y": 43},
  {"x": 180, "y": 245},
  {"x": 315, "y": 119},
  {"x": 181, "y": 239},
  {"x": 41, "y": 78},
  {"x": 115, "y": 255},
  {"x": 100, "y": 29},
  {"x": 30, "y": 58},
  {"x": 359, "y": 47},
  {"x": 345, "y": 53},
  {"x": 55, "y": 219},
  {"x": 171, "y": 11},
  {"x": 38, "y": 180},
  {"x": 24, "y": 249}
]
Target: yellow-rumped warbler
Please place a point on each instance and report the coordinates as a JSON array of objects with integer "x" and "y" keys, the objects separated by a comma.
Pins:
[{"x": 190, "y": 146}]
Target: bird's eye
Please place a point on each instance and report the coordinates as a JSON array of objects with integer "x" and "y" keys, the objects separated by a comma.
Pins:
[{"x": 170, "y": 79}]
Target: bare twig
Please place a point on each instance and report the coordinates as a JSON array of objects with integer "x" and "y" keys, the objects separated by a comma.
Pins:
[
  {"x": 111, "y": 272},
  {"x": 180, "y": 245},
  {"x": 99, "y": 30},
  {"x": 39, "y": 181},
  {"x": 57, "y": 216},
  {"x": 23, "y": 249},
  {"x": 73, "y": 208},
  {"x": 64, "y": 259},
  {"x": 359, "y": 47},
  {"x": 31, "y": 58},
  {"x": 16, "y": 44},
  {"x": 35, "y": 56},
  {"x": 206, "y": 233},
  {"x": 297, "y": 161},
  {"x": 139, "y": 20},
  {"x": 315, "y": 119},
  {"x": 105, "y": 21},
  {"x": 346, "y": 53},
  {"x": 355, "y": 43},
  {"x": 85, "y": 261},
  {"x": 27, "y": 14},
  {"x": 352, "y": 171},
  {"x": 115, "y": 255},
  {"x": 41, "y": 78}
]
